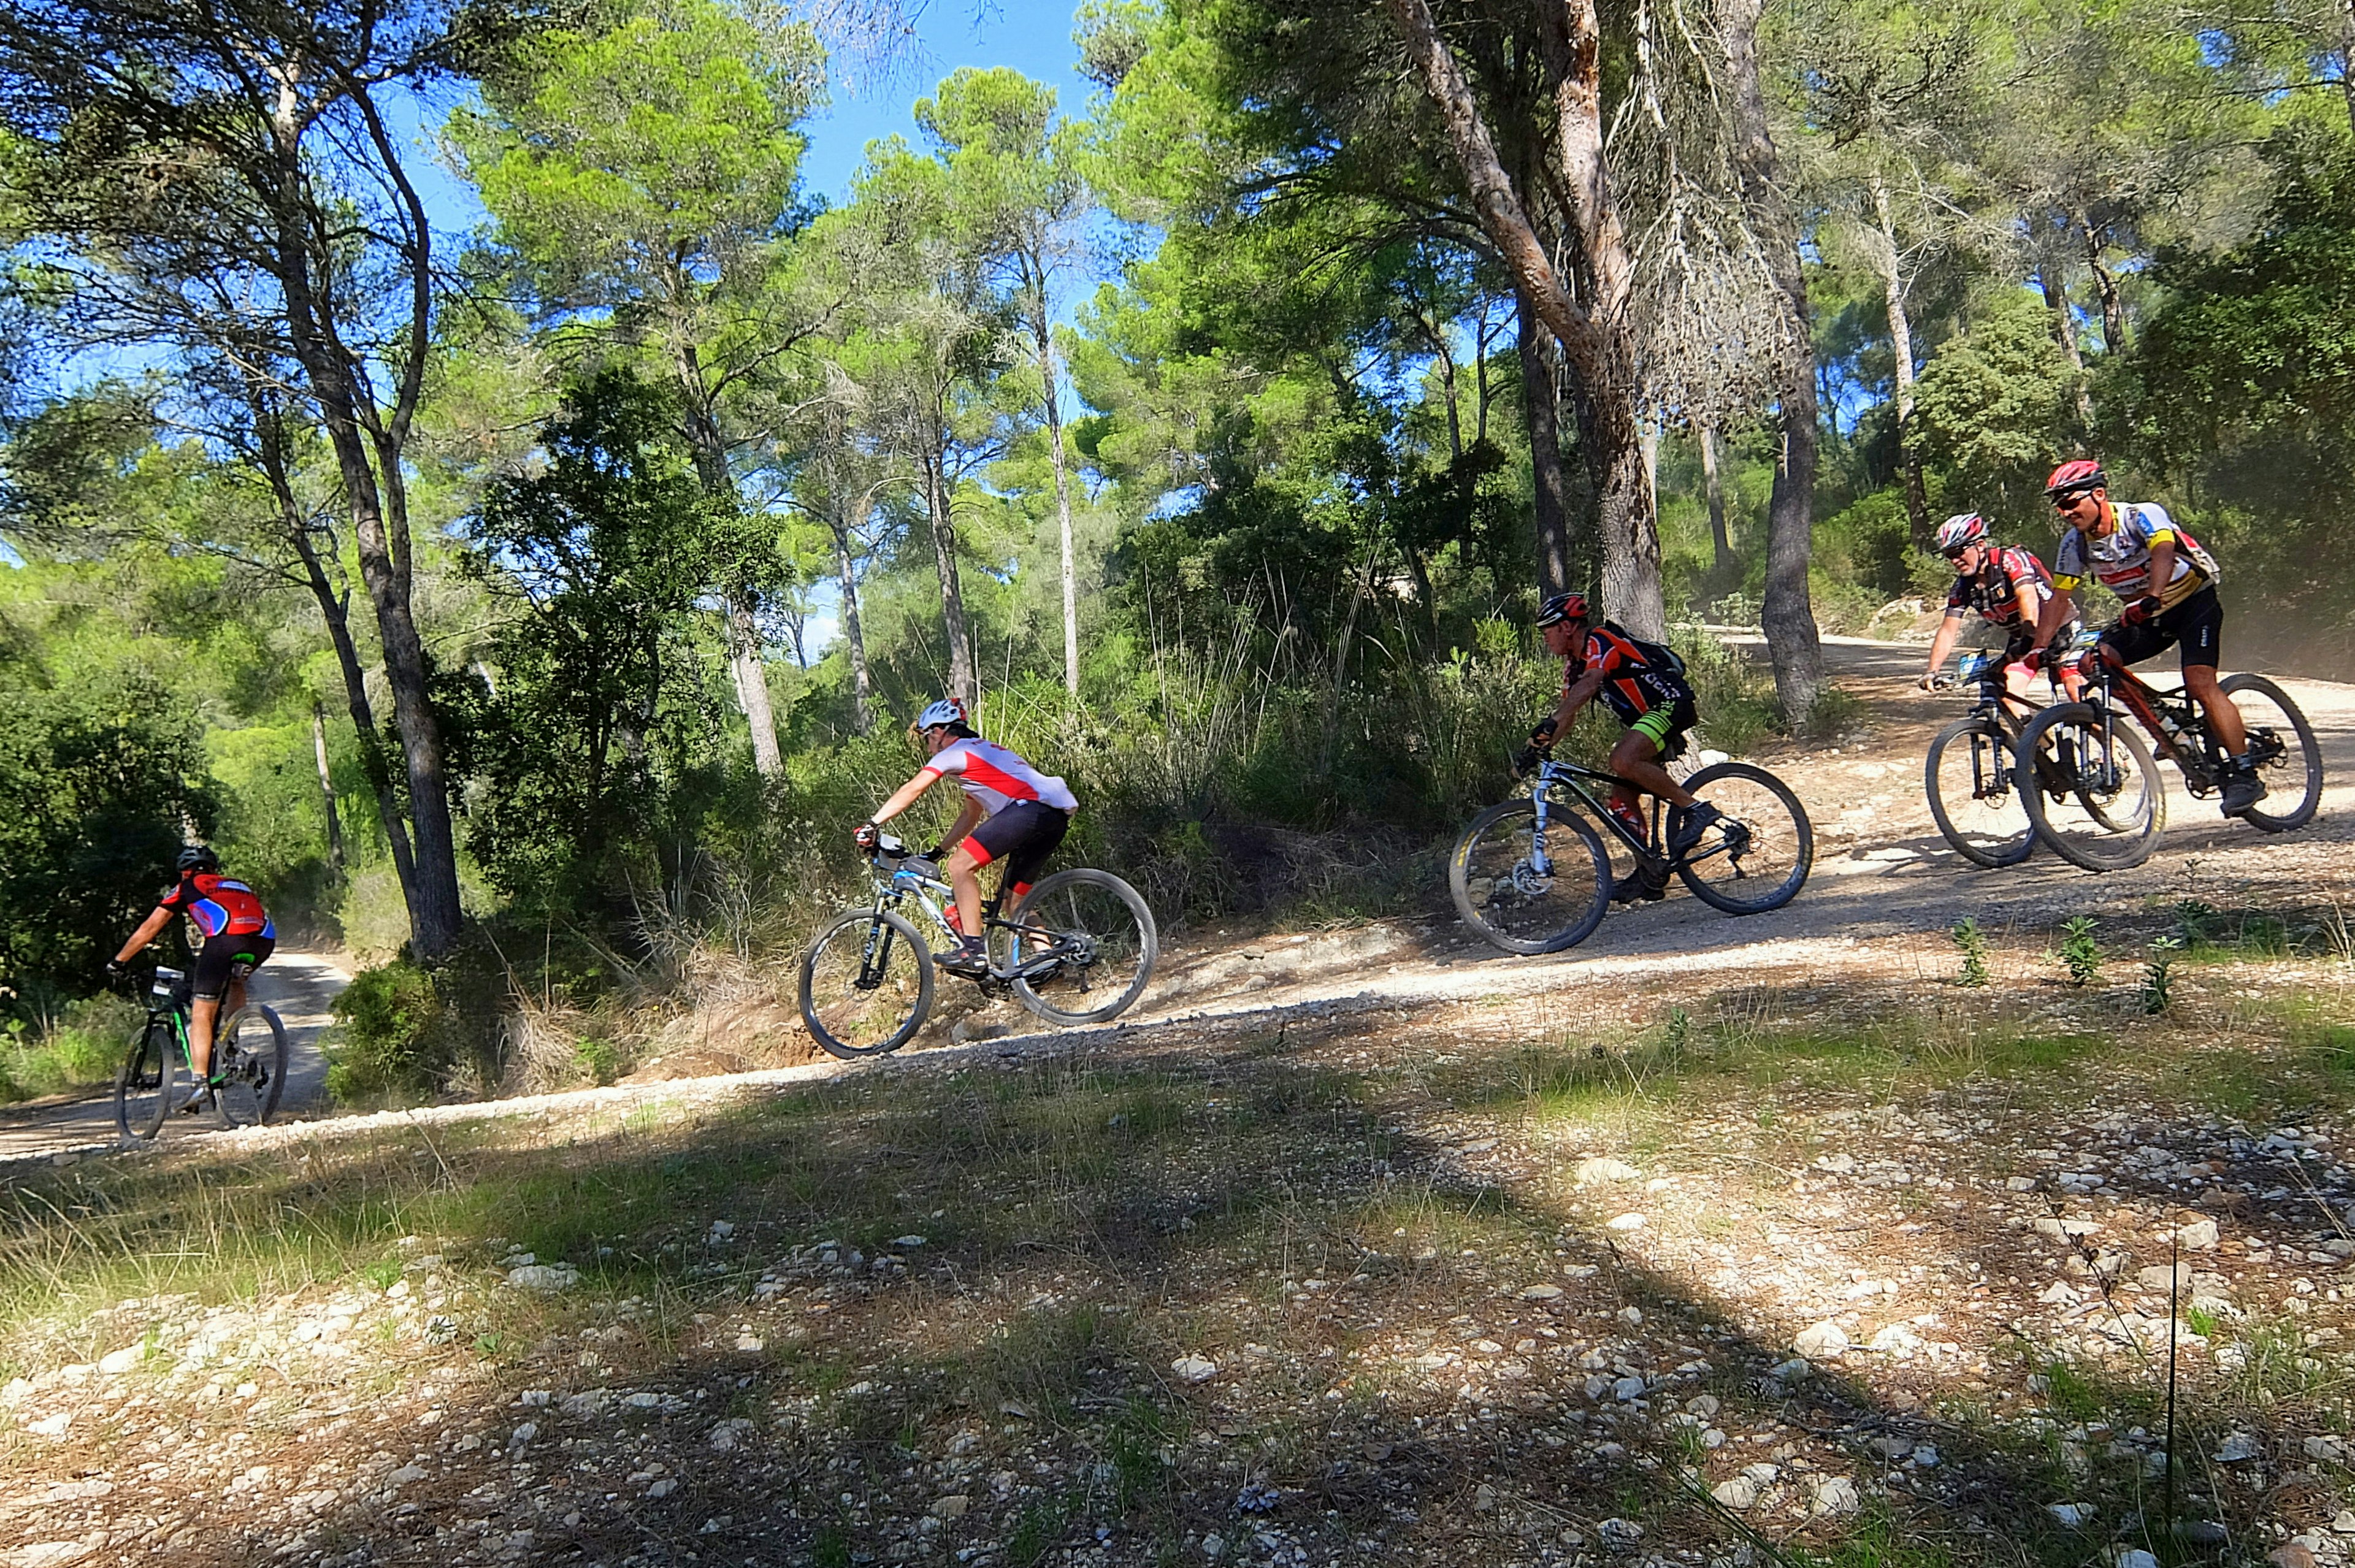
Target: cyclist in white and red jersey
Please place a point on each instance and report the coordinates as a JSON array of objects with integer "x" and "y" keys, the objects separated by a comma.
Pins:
[
  {"x": 2009, "y": 588},
  {"x": 2169, "y": 584},
  {"x": 1012, "y": 812}
]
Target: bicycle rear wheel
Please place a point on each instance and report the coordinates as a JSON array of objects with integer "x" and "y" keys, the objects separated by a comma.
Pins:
[
  {"x": 148, "y": 1083},
  {"x": 249, "y": 1064},
  {"x": 1500, "y": 893},
  {"x": 1081, "y": 948},
  {"x": 2092, "y": 790},
  {"x": 2282, "y": 744},
  {"x": 1756, "y": 856},
  {"x": 1968, "y": 774},
  {"x": 866, "y": 984}
]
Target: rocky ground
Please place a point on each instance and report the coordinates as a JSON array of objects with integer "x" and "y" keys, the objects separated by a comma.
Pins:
[{"x": 1783, "y": 1247}]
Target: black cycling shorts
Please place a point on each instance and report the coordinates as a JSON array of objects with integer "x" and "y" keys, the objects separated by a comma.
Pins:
[
  {"x": 2197, "y": 624},
  {"x": 1022, "y": 836},
  {"x": 223, "y": 959}
]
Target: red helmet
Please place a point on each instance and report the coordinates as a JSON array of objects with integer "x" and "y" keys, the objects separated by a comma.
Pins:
[
  {"x": 1962, "y": 529},
  {"x": 1561, "y": 607},
  {"x": 2075, "y": 476}
]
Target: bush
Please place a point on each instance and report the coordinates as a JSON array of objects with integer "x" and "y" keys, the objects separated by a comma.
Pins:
[
  {"x": 80, "y": 1047},
  {"x": 400, "y": 1037}
]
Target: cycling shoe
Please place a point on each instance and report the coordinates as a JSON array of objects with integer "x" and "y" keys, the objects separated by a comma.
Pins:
[
  {"x": 1639, "y": 883},
  {"x": 2243, "y": 789},
  {"x": 1688, "y": 833},
  {"x": 968, "y": 961}
]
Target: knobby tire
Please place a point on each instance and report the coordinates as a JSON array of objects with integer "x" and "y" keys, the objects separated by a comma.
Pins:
[
  {"x": 1795, "y": 838},
  {"x": 2123, "y": 842},
  {"x": 147, "y": 1082},
  {"x": 2307, "y": 765},
  {"x": 835, "y": 1030},
  {"x": 249, "y": 1058},
  {"x": 1506, "y": 827},
  {"x": 2006, "y": 851},
  {"x": 1124, "y": 954}
]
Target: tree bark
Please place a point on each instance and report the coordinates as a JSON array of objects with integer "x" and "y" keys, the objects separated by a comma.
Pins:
[
  {"x": 1539, "y": 404},
  {"x": 1713, "y": 486},
  {"x": 1793, "y": 648},
  {"x": 2105, "y": 284},
  {"x": 708, "y": 445},
  {"x": 752, "y": 685},
  {"x": 2064, "y": 333},
  {"x": 963, "y": 682},
  {"x": 1044, "y": 332},
  {"x": 862, "y": 701},
  {"x": 1901, "y": 340},
  {"x": 1595, "y": 343},
  {"x": 2347, "y": 57},
  {"x": 327, "y": 785}
]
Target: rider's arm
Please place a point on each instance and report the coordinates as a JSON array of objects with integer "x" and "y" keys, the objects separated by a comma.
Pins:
[
  {"x": 1942, "y": 643},
  {"x": 2162, "y": 565},
  {"x": 2056, "y": 611},
  {"x": 149, "y": 930},
  {"x": 967, "y": 820},
  {"x": 905, "y": 797},
  {"x": 1581, "y": 692}
]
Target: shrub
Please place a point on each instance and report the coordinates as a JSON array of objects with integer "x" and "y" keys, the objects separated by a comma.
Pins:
[
  {"x": 81, "y": 1046},
  {"x": 399, "y": 1035}
]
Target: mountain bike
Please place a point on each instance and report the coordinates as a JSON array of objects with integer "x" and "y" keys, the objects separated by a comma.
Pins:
[
  {"x": 2093, "y": 791},
  {"x": 249, "y": 1065},
  {"x": 1968, "y": 772},
  {"x": 1078, "y": 949},
  {"x": 1531, "y": 875}
]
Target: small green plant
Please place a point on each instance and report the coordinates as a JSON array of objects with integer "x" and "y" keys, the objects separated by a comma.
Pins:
[
  {"x": 2079, "y": 952},
  {"x": 2158, "y": 975},
  {"x": 1679, "y": 1029},
  {"x": 383, "y": 1272},
  {"x": 1971, "y": 942}
]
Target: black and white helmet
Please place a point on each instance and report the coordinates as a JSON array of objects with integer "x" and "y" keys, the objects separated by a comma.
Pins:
[{"x": 1961, "y": 530}]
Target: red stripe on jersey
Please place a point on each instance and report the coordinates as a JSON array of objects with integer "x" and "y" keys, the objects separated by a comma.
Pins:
[{"x": 989, "y": 777}]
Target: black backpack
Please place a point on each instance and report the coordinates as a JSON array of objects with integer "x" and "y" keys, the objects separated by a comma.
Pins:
[{"x": 1658, "y": 657}]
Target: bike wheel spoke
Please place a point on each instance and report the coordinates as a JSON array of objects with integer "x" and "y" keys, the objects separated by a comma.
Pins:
[
  {"x": 1082, "y": 951},
  {"x": 2283, "y": 746},
  {"x": 1968, "y": 773},
  {"x": 1756, "y": 855},
  {"x": 1514, "y": 900}
]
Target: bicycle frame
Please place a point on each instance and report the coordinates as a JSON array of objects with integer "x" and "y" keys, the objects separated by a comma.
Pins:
[
  {"x": 2173, "y": 720},
  {"x": 1573, "y": 776},
  {"x": 895, "y": 886}
]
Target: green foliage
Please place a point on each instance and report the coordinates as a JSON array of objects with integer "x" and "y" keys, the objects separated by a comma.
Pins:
[
  {"x": 2158, "y": 975},
  {"x": 77, "y": 1048},
  {"x": 1971, "y": 942},
  {"x": 95, "y": 782},
  {"x": 399, "y": 1036},
  {"x": 1993, "y": 406},
  {"x": 2080, "y": 954}
]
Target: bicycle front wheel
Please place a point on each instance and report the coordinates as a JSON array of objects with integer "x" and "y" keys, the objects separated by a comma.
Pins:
[
  {"x": 1081, "y": 948},
  {"x": 249, "y": 1067},
  {"x": 1501, "y": 893},
  {"x": 2282, "y": 744},
  {"x": 147, "y": 1082},
  {"x": 1756, "y": 855},
  {"x": 866, "y": 984},
  {"x": 2091, "y": 787},
  {"x": 1968, "y": 774}
]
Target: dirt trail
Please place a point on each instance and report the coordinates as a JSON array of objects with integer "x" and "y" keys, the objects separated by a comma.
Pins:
[{"x": 300, "y": 986}]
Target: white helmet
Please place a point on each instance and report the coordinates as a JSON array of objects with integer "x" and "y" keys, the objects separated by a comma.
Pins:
[{"x": 1962, "y": 529}]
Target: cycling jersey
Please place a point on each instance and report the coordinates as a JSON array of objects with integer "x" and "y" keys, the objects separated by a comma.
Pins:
[
  {"x": 2009, "y": 588},
  {"x": 2121, "y": 559},
  {"x": 1638, "y": 676},
  {"x": 217, "y": 906},
  {"x": 996, "y": 778}
]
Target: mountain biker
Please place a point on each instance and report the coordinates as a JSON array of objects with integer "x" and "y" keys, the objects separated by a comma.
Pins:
[
  {"x": 1012, "y": 812},
  {"x": 1644, "y": 685},
  {"x": 2169, "y": 584},
  {"x": 2008, "y": 587},
  {"x": 237, "y": 939}
]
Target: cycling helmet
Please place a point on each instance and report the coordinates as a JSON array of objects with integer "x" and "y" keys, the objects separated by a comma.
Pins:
[
  {"x": 197, "y": 857},
  {"x": 1962, "y": 529},
  {"x": 2075, "y": 476},
  {"x": 947, "y": 710},
  {"x": 1561, "y": 607}
]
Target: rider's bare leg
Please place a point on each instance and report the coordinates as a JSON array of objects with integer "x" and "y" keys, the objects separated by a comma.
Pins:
[
  {"x": 965, "y": 882},
  {"x": 203, "y": 1013},
  {"x": 2224, "y": 718},
  {"x": 1633, "y": 760}
]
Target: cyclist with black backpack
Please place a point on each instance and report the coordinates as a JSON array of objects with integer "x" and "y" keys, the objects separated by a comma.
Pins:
[{"x": 1643, "y": 684}]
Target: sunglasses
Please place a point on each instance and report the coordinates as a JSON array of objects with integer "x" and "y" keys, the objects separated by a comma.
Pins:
[{"x": 2069, "y": 503}]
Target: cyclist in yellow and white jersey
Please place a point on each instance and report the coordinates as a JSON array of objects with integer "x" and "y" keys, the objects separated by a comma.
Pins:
[{"x": 2169, "y": 584}]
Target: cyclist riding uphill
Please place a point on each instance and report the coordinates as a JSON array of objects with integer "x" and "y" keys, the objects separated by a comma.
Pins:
[
  {"x": 2009, "y": 588},
  {"x": 1644, "y": 685},
  {"x": 1012, "y": 812},
  {"x": 236, "y": 938},
  {"x": 2169, "y": 584}
]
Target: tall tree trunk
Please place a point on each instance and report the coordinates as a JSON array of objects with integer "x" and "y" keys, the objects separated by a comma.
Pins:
[
  {"x": 1044, "y": 332},
  {"x": 2064, "y": 333},
  {"x": 1789, "y": 621},
  {"x": 2105, "y": 284},
  {"x": 963, "y": 678},
  {"x": 1901, "y": 340},
  {"x": 1540, "y": 404},
  {"x": 435, "y": 914},
  {"x": 862, "y": 699},
  {"x": 1595, "y": 343},
  {"x": 746, "y": 669},
  {"x": 2347, "y": 57},
  {"x": 1713, "y": 486},
  {"x": 327, "y": 785}
]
